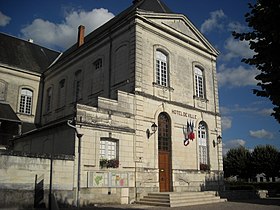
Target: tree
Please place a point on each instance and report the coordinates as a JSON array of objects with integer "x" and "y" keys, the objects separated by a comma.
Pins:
[
  {"x": 237, "y": 163},
  {"x": 264, "y": 39},
  {"x": 265, "y": 160}
]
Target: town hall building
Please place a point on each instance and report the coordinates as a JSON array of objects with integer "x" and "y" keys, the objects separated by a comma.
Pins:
[{"x": 135, "y": 103}]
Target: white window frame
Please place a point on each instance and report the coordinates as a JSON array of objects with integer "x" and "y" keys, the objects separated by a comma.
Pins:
[
  {"x": 26, "y": 100},
  {"x": 109, "y": 148},
  {"x": 161, "y": 68},
  {"x": 199, "y": 82},
  {"x": 203, "y": 142}
]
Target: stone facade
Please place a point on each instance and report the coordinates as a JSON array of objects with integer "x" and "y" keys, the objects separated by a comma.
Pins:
[{"x": 139, "y": 69}]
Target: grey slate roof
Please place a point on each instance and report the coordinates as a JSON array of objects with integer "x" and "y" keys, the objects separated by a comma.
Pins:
[
  {"x": 8, "y": 114},
  {"x": 156, "y": 6},
  {"x": 22, "y": 54}
]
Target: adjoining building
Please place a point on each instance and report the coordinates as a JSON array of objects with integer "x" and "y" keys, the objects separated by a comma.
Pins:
[{"x": 136, "y": 102}]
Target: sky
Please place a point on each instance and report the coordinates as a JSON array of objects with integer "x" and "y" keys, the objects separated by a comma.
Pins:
[{"x": 246, "y": 119}]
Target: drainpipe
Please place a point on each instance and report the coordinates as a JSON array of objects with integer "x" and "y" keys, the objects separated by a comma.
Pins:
[{"x": 79, "y": 135}]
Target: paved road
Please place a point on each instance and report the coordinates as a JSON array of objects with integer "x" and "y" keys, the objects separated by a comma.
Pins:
[{"x": 263, "y": 204}]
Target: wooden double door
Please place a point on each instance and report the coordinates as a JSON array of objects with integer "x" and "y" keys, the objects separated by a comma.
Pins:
[{"x": 164, "y": 153}]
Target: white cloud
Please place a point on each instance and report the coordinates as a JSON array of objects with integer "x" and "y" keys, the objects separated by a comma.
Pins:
[
  {"x": 261, "y": 134},
  {"x": 64, "y": 34},
  {"x": 226, "y": 122},
  {"x": 266, "y": 112},
  {"x": 233, "y": 144},
  {"x": 236, "y": 77},
  {"x": 237, "y": 27},
  {"x": 4, "y": 20},
  {"x": 213, "y": 22},
  {"x": 237, "y": 49}
]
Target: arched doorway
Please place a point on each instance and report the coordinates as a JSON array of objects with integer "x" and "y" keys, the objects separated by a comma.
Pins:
[{"x": 164, "y": 152}]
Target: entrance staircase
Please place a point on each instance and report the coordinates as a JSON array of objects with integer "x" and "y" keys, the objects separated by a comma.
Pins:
[{"x": 175, "y": 199}]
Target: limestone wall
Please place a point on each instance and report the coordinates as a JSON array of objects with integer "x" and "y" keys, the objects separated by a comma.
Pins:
[{"x": 18, "y": 171}]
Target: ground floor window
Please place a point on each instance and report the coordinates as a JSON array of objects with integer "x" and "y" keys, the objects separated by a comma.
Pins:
[{"x": 109, "y": 153}]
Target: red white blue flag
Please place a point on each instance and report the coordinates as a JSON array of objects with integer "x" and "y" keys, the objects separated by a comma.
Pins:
[{"x": 188, "y": 131}]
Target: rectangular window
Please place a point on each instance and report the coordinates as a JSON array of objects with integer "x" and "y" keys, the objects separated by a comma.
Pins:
[
  {"x": 198, "y": 80},
  {"x": 3, "y": 90},
  {"x": 78, "y": 85},
  {"x": 98, "y": 64},
  {"x": 161, "y": 73},
  {"x": 61, "y": 94},
  {"x": 203, "y": 154},
  {"x": 49, "y": 99},
  {"x": 25, "y": 103},
  {"x": 108, "y": 148},
  {"x": 199, "y": 86},
  {"x": 161, "y": 69}
]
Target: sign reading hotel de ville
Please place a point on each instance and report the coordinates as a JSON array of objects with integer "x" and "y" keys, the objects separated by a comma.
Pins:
[{"x": 183, "y": 114}]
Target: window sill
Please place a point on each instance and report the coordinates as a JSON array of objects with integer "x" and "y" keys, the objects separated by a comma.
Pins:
[
  {"x": 163, "y": 87},
  {"x": 20, "y": 113},
  {"x": 200, "y": 98}
]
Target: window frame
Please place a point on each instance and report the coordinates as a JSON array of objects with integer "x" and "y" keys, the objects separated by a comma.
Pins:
[
  {"x": 26, "y": 101},
  {"x": 62, "y": 93},
  {"x": 49, "y": 96},
  {"x": 199, "y": 82},
  {"x": 107, "y": 155},
  {"x": 5, "y": 88},
  {"x": 162, "y": 68},
  {"x": 98, "y": 64},
  {"x": 203, "y": 142},
  {"x": 78, "y": 85}
]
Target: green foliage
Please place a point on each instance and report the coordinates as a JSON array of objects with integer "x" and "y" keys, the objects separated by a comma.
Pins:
[
  {"x": 265, "y": 159},
  {"x": 105, "y": 163},
  {"x": 264, "y": 40},
  {"x": 237, "y": 163},
  {"x": 204, "y": 167},
  {"x": 245, "y": 164}
]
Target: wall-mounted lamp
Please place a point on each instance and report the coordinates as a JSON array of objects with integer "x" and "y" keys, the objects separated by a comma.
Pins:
[
  {"x": 219, "y": 140},
  {"x": 153, "y": 128}
]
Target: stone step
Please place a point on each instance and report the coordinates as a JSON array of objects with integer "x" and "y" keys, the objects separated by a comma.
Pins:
[{"x": 172, "y": 199}]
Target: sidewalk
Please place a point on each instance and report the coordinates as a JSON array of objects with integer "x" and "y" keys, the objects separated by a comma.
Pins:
[{"x": 260, "y": 204}]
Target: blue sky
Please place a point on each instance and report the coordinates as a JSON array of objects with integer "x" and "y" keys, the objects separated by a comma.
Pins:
[{"x": 246, "y": 118}]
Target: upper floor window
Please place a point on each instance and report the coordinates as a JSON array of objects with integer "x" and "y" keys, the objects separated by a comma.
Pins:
[
  {"x": 199, "y": 83},
  {"x": 202, "y": 141},
  {"x": 25, "y": 104},
  {"x": 78, "y": 85},
  {"x": 161, "y": 68},
  {"x": 98, "y": 64},
  {"x": 61, "y": 93},
  {"x": 49, "y": 99},
  {"x": 3, "y": 90}
]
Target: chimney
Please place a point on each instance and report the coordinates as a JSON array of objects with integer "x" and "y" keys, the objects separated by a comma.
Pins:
[{"x": 81, "y": 35}]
